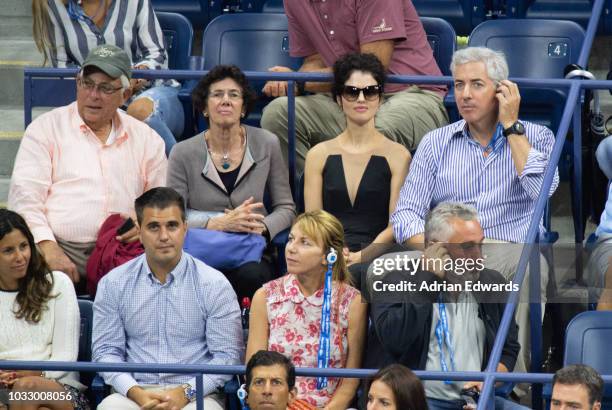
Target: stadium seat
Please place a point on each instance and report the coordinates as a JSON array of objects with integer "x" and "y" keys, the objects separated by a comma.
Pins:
[
  {"x": 253, "y": 42},
  {"x": 534, "y": 49},
  {"x": 578, "y": 11},
  {"x": 442, "y": 39},
  {"x": 178, "y": 37},
  {"x": 586, "y": 342},
  {"x": 86, "y": 329},
  {"x": 463, "y": 15},
  {"x": 198, "y": 12},
  {"x": 273, "y": 6}
]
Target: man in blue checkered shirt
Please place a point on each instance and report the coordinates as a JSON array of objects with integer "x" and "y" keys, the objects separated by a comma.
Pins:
[{"x": 165, "y": 307}]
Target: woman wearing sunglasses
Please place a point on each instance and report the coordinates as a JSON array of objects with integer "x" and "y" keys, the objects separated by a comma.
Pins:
[{"x": 357, "y": 175}]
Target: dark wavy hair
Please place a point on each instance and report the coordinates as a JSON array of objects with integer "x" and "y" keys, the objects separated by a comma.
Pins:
[
  {"x": 366, "y": 62},
  {"x": 269, "y": 358},
  {"x": 408, "y": 391},
  {"x": 200, "y": 93},
  {"x": 34, "y": 289}
]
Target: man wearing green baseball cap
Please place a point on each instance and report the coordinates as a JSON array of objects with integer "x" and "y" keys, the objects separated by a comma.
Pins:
[{"x": 81, "y": 163}]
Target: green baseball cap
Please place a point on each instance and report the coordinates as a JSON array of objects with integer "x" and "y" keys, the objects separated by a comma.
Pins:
[{"x": 110, "y": 59}]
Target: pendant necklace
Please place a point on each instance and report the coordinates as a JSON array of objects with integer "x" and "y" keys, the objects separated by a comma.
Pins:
[{"x": 225, "y": 156}]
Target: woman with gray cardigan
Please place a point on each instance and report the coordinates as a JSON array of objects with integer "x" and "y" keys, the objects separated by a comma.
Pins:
[{"x": 223, "y": 172}]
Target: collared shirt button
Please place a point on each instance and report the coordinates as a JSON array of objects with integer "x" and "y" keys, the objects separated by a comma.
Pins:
[
  {"x": 325, "y": 16},
  {"x": 331, "y": 32}
]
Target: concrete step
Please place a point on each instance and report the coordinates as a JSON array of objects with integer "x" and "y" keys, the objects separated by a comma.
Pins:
[
  {"x": 4, "y": 187},
  {"x": 15, "y": 54},
  {"x": 16, "y": 17},
  {"x": 11, "y": 131}
]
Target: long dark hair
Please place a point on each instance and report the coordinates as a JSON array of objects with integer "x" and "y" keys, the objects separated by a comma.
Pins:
[
  {"x": 34, "y": 289},
  {"x": 407, "y": 389}
]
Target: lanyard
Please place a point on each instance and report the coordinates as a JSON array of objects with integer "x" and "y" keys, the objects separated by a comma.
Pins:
[
  {"x": 444, "y": 337},
  {"x": 323, "y": 354}
]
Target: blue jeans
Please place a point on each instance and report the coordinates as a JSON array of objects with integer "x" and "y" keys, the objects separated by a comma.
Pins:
[
  {"x": 167, "y": 118},
  {"x": 500, "y": 404}
]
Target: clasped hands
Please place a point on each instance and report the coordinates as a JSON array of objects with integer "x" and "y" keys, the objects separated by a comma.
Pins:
[{"x": 243, "y": 218}]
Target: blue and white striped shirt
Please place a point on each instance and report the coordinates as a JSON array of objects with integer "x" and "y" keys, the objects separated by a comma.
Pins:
[
  {"x": 449, "y": 165},
  {"x": 129, "y": 24},
  {"x": 193, "y": 318}
]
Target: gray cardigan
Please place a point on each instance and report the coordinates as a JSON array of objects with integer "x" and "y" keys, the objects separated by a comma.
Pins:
[{"x": 192, "y": 173}]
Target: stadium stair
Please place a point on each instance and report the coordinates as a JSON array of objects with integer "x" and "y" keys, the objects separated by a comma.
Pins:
[{"x": 17, "y": 50}]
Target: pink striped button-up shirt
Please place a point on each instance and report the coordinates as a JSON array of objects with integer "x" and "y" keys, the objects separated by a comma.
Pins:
[{"x": 66, "y": 182}]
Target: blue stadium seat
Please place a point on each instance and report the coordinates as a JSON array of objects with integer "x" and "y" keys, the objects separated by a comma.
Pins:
[
  {"x": 253, "y": 42},
  {"x": 586, "y": 342},
  {"x": 86, "y": 330},
  {"x": 442, "y": 39},
  {"x": 178, "y": 37},
  {"x": 463, "y": 15},
  {"x": 251, "y": 6},
  {"x": 535, "y": 49},
  {"x": 578, "y": 11},
  {"x": 273, "y": 6},
  {"x": 198, "y": 12}
]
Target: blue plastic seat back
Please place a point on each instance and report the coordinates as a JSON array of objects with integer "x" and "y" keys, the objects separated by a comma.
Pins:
[
  {"x": 178, "y": 38},
  {"x": 85, "y": 336},
  {"x": 198, "y": 12},
  {"x": 273, "y": 6},
  {"x": 253, "y": 42},
  {"x": 534, "y": 49},
  {"x": 586, "y": 342},
  {"x": 442, "y": 39},
  {"x": 578, "y": 11},
  {"x": 463, "y": 15},
  {"x": 86, "y": 313}
]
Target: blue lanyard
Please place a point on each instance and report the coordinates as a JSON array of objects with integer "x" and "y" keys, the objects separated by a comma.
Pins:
[
  {"x": 444, "y": 337},
  {"x": 323, "y": 354},
  {"x": 75, "y": 11}
]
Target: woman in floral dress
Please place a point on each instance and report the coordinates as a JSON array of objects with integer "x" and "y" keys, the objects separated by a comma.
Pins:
[{"x": 286, "y": 313}]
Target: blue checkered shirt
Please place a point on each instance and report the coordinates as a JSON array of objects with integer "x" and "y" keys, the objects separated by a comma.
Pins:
[
  {"x": 193, "y": 318},
  {"x": 450, "y": 165}
]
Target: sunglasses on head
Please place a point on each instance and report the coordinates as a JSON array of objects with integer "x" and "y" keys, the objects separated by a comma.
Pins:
[{"x": 370, "y": 93}]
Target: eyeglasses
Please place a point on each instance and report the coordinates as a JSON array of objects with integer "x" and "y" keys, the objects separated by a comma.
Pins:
[
  {"x": 90, "y": 85},
  {"x": 370, "y": 93},
  {"x": 231, "y": 94}
]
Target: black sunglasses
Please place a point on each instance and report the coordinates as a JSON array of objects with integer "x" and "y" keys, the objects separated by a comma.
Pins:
[{"x": 370, "y": 93}]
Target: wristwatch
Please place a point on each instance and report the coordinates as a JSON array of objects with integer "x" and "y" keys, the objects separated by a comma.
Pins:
[
  {"x": 515, "y": 129},
  {"x": 190, "y": 392}
]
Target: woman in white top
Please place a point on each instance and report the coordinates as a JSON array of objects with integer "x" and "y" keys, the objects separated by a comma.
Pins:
[{"x": 39, "y": 320}]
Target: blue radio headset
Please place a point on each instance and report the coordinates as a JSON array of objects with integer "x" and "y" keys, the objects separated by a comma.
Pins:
[
  {"x": 242, "y": 395},
  {"x": 323, "y": 354},
  {"x": 443, "y": 336}
]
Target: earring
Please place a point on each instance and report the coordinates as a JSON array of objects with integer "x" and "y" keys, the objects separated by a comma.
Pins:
[
  {"x": 241, "y": 115},
  {"x": 205, "y": 114}
]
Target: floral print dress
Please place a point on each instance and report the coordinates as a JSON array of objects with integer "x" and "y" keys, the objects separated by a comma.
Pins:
[{"x": 294, "y": 321}]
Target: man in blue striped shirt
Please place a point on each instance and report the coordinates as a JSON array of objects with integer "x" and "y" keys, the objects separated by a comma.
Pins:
[
  {"x": 165, "y": 307},
  {"x": 489, "y": 159}
]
